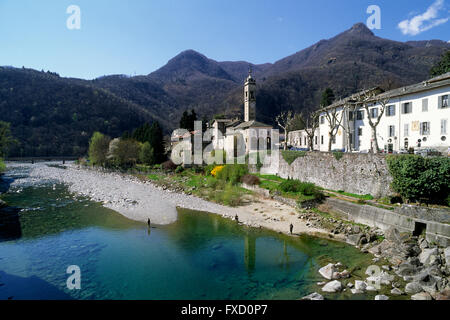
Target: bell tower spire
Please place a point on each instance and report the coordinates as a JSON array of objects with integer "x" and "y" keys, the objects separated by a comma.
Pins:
[{"x": 250, "y": 97}]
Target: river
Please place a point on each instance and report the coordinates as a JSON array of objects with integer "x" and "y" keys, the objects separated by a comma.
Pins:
[{"x": 200, "y": 256}]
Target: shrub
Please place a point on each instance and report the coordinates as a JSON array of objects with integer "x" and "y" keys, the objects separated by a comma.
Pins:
[
  {"x": 308, "y": 189},
  {"x": 420, "y": 179},
  {"x": 291, "y": 156},
  {"x": 290, "y": 186},
  {"x": 168, "y": 165},
  {"x": 233, "y": 173},
  {"x": 338, "y": 155},
  {"x": 231, "y": 196},
  {"x": 250, "y": 180},
  {"x": 216, "y": 170},
  {"x": 179, "y": 169},
  {"x": 207, "y": 170}
]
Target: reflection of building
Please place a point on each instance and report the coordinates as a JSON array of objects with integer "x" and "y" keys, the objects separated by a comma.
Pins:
[
  {"x": 228, "y": 132},
  {"x": 250, "y": 252},
  {"x": 415, "y": 116}
]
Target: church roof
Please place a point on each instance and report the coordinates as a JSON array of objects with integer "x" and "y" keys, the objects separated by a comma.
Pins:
[{"x": 252, "y": 124}]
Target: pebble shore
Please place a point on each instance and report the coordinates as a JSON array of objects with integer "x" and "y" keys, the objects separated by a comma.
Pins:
[{"x": 127, "y": 195}]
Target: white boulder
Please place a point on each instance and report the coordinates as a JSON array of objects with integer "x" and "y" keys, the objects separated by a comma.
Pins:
[
  {"x": 333, "y": 286},
  {"x": 328, "y": 271}
]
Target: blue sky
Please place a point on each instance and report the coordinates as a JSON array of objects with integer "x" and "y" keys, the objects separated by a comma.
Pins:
[{"x": 139, "y": 36}]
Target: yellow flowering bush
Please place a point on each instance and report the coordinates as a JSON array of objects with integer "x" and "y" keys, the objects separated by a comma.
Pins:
[{"x": 216, "y": 170}]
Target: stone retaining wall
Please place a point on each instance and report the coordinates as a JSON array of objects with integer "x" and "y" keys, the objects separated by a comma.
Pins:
[
  {"x": 354, "y": 172},
  {"x": 436, "y": 231}
]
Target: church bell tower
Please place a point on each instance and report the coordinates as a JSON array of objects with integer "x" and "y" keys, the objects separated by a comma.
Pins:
[{"x": 249, "y": 98}]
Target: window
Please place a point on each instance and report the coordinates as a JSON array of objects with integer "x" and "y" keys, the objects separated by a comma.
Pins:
[
  {"x": 321, "y": 139},
  {"x": 390, "y": 111},
  {"x": 425, "y": 128},
  {"x": 359, "y": 131},
  {"x": 444, "y": 126},
  {"x": 424, "y": 105},
  {"x": 391, "y": 131},
  {"x": 306, "y": 143},
  {"x": 322, "y": 120},
  {"x": 300, "y": 141},
  {"x": 407, "y": 108},
  {"x": 315, "y": 140},
  {"x": 406, "y": 131},
  {"x": 252, "y": 95},
  {"x": 333, "y": 140},
  {"x": 350, "y": 115},
  {"x": 374, "y": 113},
  {"x": 360, "y": 115},
  {"x": 443, "y": 102}
]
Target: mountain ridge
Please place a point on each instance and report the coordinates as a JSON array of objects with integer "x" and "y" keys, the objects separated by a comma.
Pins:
[{"x": 352, "y": 60}]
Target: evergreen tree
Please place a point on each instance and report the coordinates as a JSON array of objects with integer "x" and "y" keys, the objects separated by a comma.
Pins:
[
  {"x": 442, "y": 67},
  {"x": 187, "y": 120},
  {"x": 157, "y": 142},
  {"x": 327, "y": 97}
]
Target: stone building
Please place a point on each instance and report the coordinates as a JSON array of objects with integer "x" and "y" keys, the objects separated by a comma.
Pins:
[{"x": 239, "y": 137}]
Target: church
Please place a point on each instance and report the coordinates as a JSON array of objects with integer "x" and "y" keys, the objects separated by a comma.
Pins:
[{"x": 239, "y": 137}]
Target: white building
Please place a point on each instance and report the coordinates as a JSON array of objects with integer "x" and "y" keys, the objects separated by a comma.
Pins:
[{"x": 415, "y": 116}]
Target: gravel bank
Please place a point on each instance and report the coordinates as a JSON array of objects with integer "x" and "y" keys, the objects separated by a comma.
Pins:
[{"x": 132, "y": 198}]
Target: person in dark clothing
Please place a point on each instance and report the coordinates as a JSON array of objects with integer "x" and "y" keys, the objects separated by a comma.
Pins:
[
  {"x": 148, "y": 222},
  {"x": 236, "y": 218},
  {"x": 291, "y": 228}
]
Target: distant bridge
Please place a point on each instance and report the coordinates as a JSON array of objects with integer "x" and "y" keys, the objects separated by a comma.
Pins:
[{"x": 41, "y": 159}]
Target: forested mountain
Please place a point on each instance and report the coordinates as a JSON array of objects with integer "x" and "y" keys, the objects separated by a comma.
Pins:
[{"x": 54, "y": 115}]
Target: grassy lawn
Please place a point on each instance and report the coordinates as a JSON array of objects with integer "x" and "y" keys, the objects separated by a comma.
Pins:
[
  {"x": 357, "y": 196},
  {"x": 270, "y": 177}
]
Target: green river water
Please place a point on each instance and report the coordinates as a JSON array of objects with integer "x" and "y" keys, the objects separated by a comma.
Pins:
[{"x": 201, "y": 256}]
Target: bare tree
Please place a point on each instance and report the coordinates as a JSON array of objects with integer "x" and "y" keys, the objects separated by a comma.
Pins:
[
  {"x": 334, "y": 119},
  {"x": 312, "y": 123},
  {"x": 365, "y": 99},
  {"x": 349, "y": 108},
  {"x": 284, "y": 120}
]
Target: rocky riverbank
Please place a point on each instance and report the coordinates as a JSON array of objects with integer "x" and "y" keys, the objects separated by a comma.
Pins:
[{"x": 416, "y": 269}]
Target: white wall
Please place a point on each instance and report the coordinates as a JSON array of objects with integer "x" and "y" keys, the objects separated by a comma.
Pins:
[{"x": 434, "y": 116}]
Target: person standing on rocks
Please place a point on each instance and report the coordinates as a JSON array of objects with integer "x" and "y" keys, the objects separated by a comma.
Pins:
[
  {"x": 291, "y": 228},
  {"x": 236, "y": 218}
]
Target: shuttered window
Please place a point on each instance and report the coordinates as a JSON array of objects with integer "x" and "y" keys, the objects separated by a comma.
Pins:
[{"x": 424, "y": 105}]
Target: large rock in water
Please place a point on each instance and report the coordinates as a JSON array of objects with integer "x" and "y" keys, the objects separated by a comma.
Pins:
[
  {"x": 333, "y": 286},
  {"x": 313, "y": 296},
  {"x": 381, "y": 297},
  {"x": 328, "y": 271}
]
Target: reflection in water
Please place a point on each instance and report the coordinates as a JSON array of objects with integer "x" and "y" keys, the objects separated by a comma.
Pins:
[{"x": 250, "y": 253}]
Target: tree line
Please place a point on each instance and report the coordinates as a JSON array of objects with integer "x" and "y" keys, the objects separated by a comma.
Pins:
[{"x": 145, "y": 145}]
